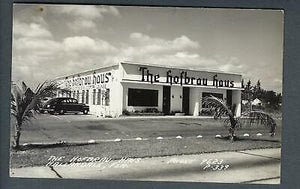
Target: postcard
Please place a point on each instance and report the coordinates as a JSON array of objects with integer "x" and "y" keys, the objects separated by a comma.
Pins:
[{"x": 178, "y": 94}]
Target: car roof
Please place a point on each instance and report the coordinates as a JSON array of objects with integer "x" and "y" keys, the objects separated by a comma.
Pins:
[{"x": 63, "y": 98}]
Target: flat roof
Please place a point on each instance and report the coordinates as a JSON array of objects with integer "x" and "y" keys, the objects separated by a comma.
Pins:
[
  {"x": 146, "y": 64},
  {"x": 179, "y": 68},
  {"x": 86, "y": 71}
]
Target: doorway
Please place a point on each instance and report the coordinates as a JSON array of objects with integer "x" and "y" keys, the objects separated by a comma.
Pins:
[
  {"x": 166, "y": 99},
  {"x": 186, "y": 100}
]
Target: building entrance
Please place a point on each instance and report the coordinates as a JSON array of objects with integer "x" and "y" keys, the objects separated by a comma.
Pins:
[
  {"x": 186, "y": 100},
  {"x": 166, "y": 99}
]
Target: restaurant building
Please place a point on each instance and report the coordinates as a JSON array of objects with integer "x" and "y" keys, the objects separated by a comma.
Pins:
[{"x": 134, "y": 87}]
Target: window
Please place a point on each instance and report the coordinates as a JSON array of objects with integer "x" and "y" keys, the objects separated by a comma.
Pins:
[
  {"x": 218, "y": 95},
  {"x": 94, "y": 96},
  {"x": 82, "y": 97},
  {"x": 77, "y": 96},
  {"x": 142, "y": 97},
  {"x": 87, "y": 97},
  {"x": 103, "y": 93},
  {"x": 107, "y": 94},
  {"x": 99, "y": 97}
]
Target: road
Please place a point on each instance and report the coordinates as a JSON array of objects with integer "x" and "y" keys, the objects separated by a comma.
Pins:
[
  {"x": 69, "y": 127},
  {"x": 251, "y": 166}
]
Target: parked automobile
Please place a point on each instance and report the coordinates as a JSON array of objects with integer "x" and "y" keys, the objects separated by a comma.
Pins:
[{"x": 62, "y": 105}]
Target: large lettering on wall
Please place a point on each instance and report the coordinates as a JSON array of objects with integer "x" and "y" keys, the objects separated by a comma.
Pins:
[
  {"x": 183, "y": 79},
  {"x": 88, "y": 80}
]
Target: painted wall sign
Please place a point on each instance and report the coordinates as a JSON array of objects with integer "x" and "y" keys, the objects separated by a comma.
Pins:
[
  {"x": 89, "y": 80},
  {"x": 183, "y": 79}
]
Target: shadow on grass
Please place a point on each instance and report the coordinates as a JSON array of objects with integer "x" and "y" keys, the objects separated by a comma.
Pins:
[
  {"x": 25, "y": 147},
  {"x": 259, "y": 139},
  {"x": 249, "y": 139}
]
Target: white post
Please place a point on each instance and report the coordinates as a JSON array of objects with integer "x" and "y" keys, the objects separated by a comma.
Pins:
[
  {"x": 236, "y": 100},
  {"x": 195, "y": 101}
]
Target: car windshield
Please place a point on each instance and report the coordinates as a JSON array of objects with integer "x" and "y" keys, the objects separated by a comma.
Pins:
[{"x": 52, "y": 101}]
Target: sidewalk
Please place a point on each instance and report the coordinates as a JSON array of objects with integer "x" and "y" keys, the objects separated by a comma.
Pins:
[{"x": 251, "y": 166}]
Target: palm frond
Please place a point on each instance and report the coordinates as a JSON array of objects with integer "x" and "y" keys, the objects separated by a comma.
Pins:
[
  {"x": 24, "y": 86},
  {"x": 13, "y": 112},
  {"x": 17, "y": 96},
  {"x": 46, "y": 89},
  {"x": 24, "y": 100},
  {"x": 227, "y": 123},
  {"x": 28, "y": 115},
  {"x": 218, "y": 106},
  {"x": 260, "y": 118}
]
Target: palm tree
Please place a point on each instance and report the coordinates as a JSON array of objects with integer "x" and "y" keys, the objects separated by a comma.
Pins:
[
  {"x": 221, "y": 109},
  {"x": 24, "y": 102}
]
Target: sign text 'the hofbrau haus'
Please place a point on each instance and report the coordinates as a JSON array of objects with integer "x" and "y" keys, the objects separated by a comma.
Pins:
[{"x": 182, "y": 79}]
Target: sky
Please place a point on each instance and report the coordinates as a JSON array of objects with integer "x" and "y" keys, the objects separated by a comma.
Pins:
[{"x": 50, "y": 41}]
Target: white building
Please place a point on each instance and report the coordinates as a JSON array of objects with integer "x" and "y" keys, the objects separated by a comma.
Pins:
[
  {"x": 256, "y": 102},
  {"x": 132, "y": 87}
]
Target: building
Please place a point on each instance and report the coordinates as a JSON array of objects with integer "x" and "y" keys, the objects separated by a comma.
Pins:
[
  {"x": 256, "y": 102},
  {"x": 133, "y": 87}
]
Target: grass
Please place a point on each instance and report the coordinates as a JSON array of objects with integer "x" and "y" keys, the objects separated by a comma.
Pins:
[{"x": 147, "y": 148}]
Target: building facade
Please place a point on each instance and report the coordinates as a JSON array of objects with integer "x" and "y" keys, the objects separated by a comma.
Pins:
[{"x": 132, "y": 87}]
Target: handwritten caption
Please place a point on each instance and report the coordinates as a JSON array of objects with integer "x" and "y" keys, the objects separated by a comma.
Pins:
[
  {"x": 206, "y": 164},
  {"x": 104, "y": 162},
  {"x": 100, "y": 162}
]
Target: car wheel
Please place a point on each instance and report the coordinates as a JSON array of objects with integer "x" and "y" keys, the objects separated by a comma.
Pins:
[
  {"x": 52, "y": 113},
  {"x": 76, "y": 113},
  {"x": 61, "y": 112},
  {"x": 85, "y": 111}
]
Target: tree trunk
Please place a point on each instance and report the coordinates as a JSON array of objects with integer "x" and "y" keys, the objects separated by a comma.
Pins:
[
  {"x": 17, "y": 136},
  {"x": 231, "y": 135},
  {"x": 232, "y": 129}
]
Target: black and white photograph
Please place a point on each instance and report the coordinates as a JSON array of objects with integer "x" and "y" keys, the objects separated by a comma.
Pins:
[{"x": 140, "y": 93}]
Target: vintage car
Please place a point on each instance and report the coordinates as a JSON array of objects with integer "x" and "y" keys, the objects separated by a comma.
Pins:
[{"x": 62, "y": 105}]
